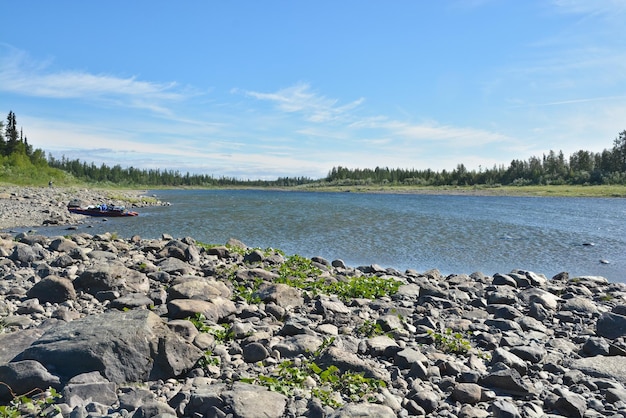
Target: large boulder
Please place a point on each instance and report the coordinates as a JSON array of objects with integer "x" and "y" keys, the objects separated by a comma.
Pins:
[
  {"x": 112, "y": 275},
  {"x": 123, "y": 346}
]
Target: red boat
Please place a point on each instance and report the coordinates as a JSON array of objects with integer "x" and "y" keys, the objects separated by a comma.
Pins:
[{"x": 102, "y": 210}]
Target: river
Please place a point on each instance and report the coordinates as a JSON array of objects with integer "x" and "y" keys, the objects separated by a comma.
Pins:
[{"x": 455, "y": 234}]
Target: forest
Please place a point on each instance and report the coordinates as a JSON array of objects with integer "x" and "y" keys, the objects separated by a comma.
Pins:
[{"x": 580, "y": 168}]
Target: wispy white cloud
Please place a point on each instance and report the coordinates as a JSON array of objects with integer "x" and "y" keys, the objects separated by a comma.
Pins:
[
  {"x": 575, "y": 101},
  {"x": 300, "y": 98},
  {"x": 595, "y": 7},
  {"x": 21, "y": 75}
]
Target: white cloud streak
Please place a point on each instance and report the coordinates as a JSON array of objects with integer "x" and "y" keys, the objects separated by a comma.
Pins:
[{"x": 20, "y": 75}]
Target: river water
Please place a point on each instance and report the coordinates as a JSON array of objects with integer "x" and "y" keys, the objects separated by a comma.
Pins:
[{"x": 455, "y": 234}]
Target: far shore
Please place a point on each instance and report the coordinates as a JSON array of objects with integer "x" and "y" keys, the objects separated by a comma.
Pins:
[{"x": 608, "y": 191}]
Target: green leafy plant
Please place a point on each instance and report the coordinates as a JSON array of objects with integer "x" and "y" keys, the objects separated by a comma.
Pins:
[
  {"x": 221, "y": 333},
  {"x": 208, "y": 359},
  {"x": 330, "y": 381},
  {"x": 369, "y": 329},
  {"x": 451, "y": 342},
  {"x": 35, "y": 406},
  {"x": 300, "y": 272}
]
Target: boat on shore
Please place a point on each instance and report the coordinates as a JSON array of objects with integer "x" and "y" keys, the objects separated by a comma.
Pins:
[{"x": 113, "y": 211}]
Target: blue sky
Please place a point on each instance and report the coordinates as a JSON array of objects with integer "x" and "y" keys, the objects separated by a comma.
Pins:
[{"x": 261, "y": 89}]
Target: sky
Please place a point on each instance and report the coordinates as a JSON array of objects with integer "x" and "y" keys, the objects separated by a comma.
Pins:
[{"x": 264, "y": 89}]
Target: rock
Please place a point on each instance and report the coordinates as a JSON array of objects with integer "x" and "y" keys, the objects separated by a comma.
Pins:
[
  {"x": 348, "y": 361},
  {"x": 214, "y": 310},
  {"x": 123, "y": 346},
  {"x": 22, "y": 377},
  {"x": 504, "y": 409},
  {"x": 363, "y": 410},
  {"x": 90, "y": 387},
  {"x": 507, "y": 380},
  {"x": 602, "y": 366},
  {"x": 112, "y": 275},
  {"x": 571, "y": 404},
  {"x": 581, "y": 305},
  {"x": 155, "y": 409},
  {"x": 467, "y": 393},
  {"x": 255, "y": 352},
  {"x": 198, "y": 289},
  {"x": 407, "y": 357},
  {"x": 256, "y": 402},
  {"x": 611, "y": 325},
  {"x": 281, "y": 294},
  {"x": 500, "y": 355}
]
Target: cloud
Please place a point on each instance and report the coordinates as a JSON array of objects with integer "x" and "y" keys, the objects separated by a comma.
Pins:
[
  {"x": 299, "y": 98},
  {"x": 21, "y": 75},
  {"x": 595, "y": 7}
]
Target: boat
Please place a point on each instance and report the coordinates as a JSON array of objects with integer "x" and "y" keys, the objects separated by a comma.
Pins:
[{"x": 113, "y": 211}]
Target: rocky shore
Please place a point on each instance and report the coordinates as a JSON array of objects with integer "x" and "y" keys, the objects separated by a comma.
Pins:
[
  {"x": 105, "y": 326},
  {"x": 37, "y": 206}
]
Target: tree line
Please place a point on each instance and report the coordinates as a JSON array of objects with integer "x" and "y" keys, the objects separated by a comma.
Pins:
[
  {"x": 582, "y": 167},
  {"x": 157, "y": 177},
  {"x": 14, "y": 147}
]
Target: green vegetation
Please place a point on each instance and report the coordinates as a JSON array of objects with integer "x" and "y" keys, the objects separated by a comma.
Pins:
[
  {"x": 552, "y": 174},
  {"x": 369, "y": 329},
  {"x": 222, "y": 333},
  {"x": 450, "y": 342},
  {"x": 36, "y": 406},
  {"x": 301, "y": 273},
  {"x": 327, "y": 383},
  {"x": 455, "y": 342},
  {"x": 582, "y": 168}
]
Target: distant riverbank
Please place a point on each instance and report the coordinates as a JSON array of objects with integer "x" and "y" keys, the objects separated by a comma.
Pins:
[{"x": 618, "y": 191}]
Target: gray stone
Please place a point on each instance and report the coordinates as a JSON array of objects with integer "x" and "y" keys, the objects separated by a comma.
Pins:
[
  {"x": 255, "y": 352},
  {"x": 507, "y": 380},
  {"x": 602, "y": 366},
  {"x": 407, "y": 357},
  {"x": 298, "y": 344},
  {"x": 580, "y": 304},
  {"x": 256, "y": 403},
  {"x": 467, "y": 393},
  {"x": 611, "y": 325},
  {"x": 214, "y": 310},
  {"x": 363, "y": 410},
  {"x": 426, "y": 399},
  {"x": 131, "y": 301},
  {"x": 504, "y": 409},
  {"x": 124, "y": 346},
  {"x": 349, "y": 361},
  {"x": 22, "y": 377},
  {"x": 198, "y": 289},
  {"x": 112, "y": 275},
  {"x": 281, "y": 294},
  {"x": 571, "y": 404},
  {"x": 596, "y": 346},
  {"x": 500, "y": 355},
  {"x": 153, "y": 409},
  {"x": 102, "y": 392}
]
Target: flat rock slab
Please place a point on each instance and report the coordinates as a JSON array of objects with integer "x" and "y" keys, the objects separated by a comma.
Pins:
[
  {"x": 124, "y": 346},
  {"x": 613, "y": 367}
]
